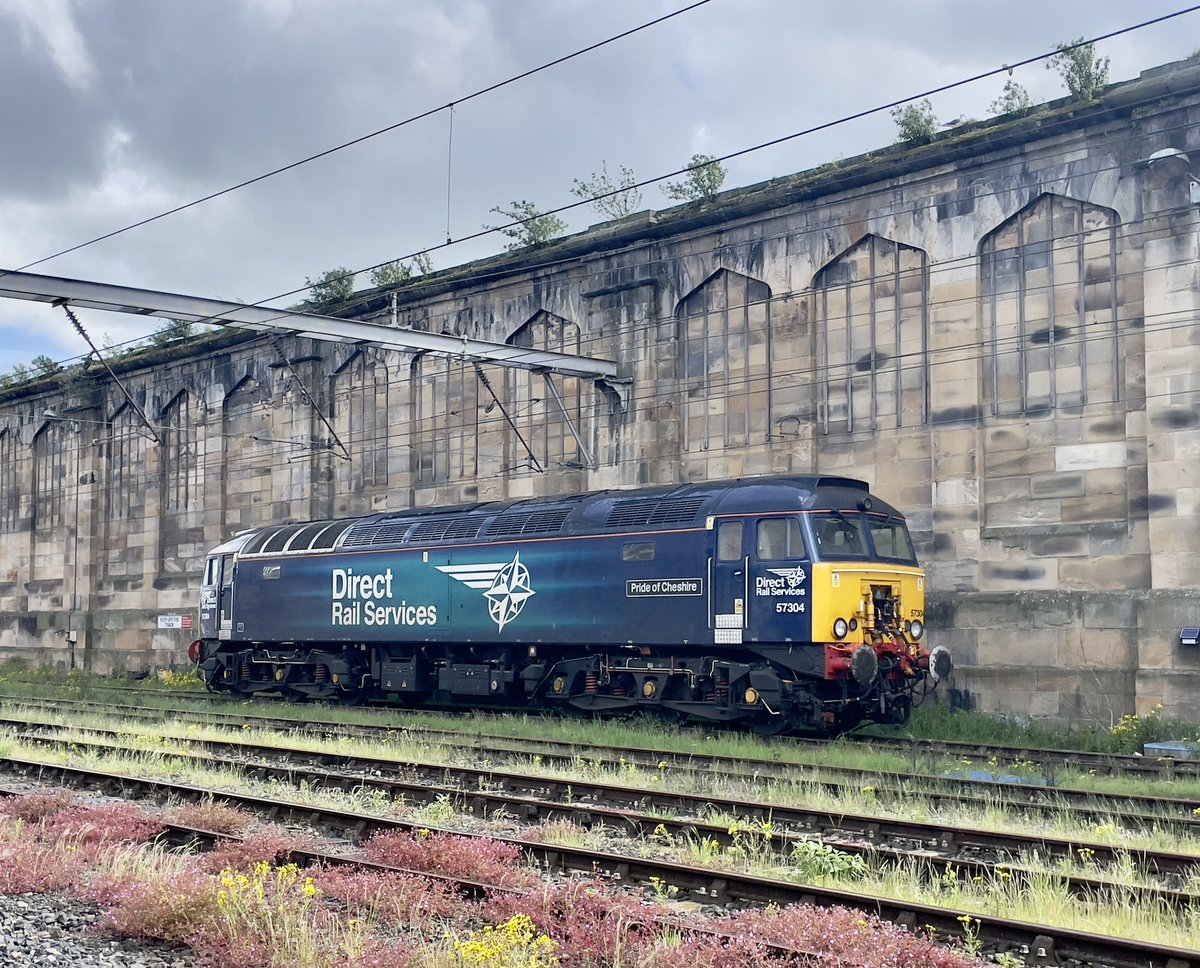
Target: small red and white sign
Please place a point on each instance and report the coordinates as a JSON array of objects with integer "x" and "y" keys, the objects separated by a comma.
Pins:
[{"x": 175, "y": 622}]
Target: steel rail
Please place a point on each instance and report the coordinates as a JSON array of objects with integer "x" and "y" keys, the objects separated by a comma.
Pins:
[
  {"x": 1039, "y": 943},
  {"x": 484, "y": 793},
  {"x": 1132, "y": 810},
  {"x": 184, "y": 835}
]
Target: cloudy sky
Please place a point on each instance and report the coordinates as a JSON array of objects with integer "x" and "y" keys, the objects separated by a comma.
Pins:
[{"x": 112, "y": 111}]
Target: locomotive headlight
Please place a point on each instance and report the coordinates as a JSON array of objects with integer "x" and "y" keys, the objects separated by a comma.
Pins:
[
  {"x": 840, "y": 628},
  {"x": 916, "y": 628}
]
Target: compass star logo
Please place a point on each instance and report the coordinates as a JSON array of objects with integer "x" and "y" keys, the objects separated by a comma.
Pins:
[
  {"x": 794, "y": 576},
  {"x": 505, "y": 585}
]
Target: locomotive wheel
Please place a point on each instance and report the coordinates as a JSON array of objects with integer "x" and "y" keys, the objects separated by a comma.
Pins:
[{"x": 294, "y": 696}]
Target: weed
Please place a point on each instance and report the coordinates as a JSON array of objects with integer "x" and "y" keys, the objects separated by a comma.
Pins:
[
  {"x": 817, "y": 861},
  {"x": 514, "y": 943}
]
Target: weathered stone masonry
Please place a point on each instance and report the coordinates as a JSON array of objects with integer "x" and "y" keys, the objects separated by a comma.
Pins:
[{"x": 998, "y": 330}]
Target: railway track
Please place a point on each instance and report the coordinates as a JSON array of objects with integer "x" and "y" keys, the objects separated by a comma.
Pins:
[
  {"x": 1034, "y": 943},
  {"x": 1180, "y": 815},
  {"x": 192, "y": 837},
  {"x": 1047, "y": 761},
  {"x": 675, "y": 816}
]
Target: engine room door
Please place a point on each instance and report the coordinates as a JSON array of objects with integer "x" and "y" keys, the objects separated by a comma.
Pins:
[{"x": 727, "y": 585}]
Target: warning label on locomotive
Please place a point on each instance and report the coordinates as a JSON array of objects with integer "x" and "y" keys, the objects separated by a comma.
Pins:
[{"x": 658, "y": 587}]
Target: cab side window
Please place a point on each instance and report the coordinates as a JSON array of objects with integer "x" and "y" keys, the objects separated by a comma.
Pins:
[
  {"x": 729, "y": 541},
  {"x": 779, "y": 538}
]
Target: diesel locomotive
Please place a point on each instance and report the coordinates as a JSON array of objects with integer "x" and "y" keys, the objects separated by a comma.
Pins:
[{"x": 781, "y": 603}]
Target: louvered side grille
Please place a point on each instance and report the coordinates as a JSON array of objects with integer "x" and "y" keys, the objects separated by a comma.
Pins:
[
  {"x": 389, "y": 531},
  {"x": 636, "y": 514},
  {"x": 446, "y": 530},
  {"x": 530, "y": 523}
]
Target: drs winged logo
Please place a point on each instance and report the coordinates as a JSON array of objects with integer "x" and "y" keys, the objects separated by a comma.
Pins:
[{"x": 505, "y": 585}]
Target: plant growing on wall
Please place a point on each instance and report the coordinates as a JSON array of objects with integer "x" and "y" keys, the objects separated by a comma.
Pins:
[
  {"x": 1013, "y": 100},
  {"x": 703, "y": 179},
  {"x": 615, "y": 199},
  {"x": 172, "y": 331},
  {"x": 1082, "y": 71},
  {"x": 44, "y": 366},
  {"x": 916, "y": 122},
  {"x": 533, "y": 227},
  {"x": 330, "y": 288},
  {"x": 392, "y": 274}
]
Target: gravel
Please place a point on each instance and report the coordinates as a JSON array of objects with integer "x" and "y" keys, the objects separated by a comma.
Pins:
[{"x": 47, "y": 930}]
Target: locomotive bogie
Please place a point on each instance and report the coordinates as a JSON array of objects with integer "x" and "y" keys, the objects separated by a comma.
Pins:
[{"x": 777, "y": 602}]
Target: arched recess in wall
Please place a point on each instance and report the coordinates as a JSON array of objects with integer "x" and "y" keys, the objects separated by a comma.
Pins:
[
  {"x": 531, "y": 404},
  {"x": 55, "y": 464},
  {"x": 724, "y": 332},
  {"x": 11, "y": 466},
  {"x": 52, "y": 463},
  {"x": 182, "y": 455},
  {"x": 445, "y": 428},
  {"x": 871, "y": 326},
  {"x": 1050, "y": 285},
  {"x": 359, "y": 395},
  {"x": 126, "y": 479},
  {"x": 249, "y": 452},
  {"x": 181, "y": 486}
]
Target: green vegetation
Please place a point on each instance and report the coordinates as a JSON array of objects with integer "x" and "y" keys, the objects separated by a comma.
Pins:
[
  {"x": 612, "y": 199},
  {"x": 916, "y": 122},
  {"x": 330, "y": 289},
  {"x": 173, "y": 331},
  {"x": 702, "y": 180},
  {"x": 242, "y": 906},
  {"x": 393, "y": 274},
  {"x": 1084, "y": 74},
  {"x": 1127, "y": 736},
  {"x": 1014, "y": 100},
  {"x": 533, "y": 227}
]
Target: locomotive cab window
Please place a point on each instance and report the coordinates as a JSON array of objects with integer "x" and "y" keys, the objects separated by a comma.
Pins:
[
  {"x": 729, "y": 541},
  {"x": 638, "y": 551},
  {"x": 779, "y": 538},
  {"x": 891, "y": 540},
  {"x": 839, "y": 536}
]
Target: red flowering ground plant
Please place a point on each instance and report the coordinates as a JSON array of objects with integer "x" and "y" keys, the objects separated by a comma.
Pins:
[
  {"x": 397, "y": 899},
  {"x": 842, "y": 936},
  {"x": 469, "y": 858},
  {"x": 244, "y": 906},
  {"x": 215, "y": 817}
]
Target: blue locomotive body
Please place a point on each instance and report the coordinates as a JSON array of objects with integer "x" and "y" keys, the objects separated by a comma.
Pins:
[{"x": 698, "y": 600}]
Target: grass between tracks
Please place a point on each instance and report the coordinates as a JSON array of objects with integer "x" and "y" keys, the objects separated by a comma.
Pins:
[
  {"x": 1039, "y": 897},
  {"x": 179, "y": 691},
  {"x": 243, "y": 906}
]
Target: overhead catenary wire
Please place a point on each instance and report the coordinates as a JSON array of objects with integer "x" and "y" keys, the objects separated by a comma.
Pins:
[
  {"x": 827, "y": 187},
  {"x": 487, "y": 425},
  {"x": 462, "y": 99},
  {"x": 977, "y": 347},
  {"x": 845, "y": 119}
]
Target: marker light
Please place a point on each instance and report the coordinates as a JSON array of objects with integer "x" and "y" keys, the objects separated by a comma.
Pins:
[
  {"x": 916, "y": 628},
  {"x": 840, "y": 628}
]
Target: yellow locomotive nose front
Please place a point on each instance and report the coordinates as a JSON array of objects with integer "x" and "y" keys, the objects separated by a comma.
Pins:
[{"x": 871, "y": 617}]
